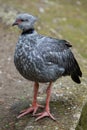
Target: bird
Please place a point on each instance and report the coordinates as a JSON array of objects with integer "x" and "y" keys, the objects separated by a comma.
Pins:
[{"x": 42, "y": 59}]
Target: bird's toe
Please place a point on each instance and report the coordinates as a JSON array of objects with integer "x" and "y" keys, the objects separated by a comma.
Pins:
[{"x": 44, "y": 114}]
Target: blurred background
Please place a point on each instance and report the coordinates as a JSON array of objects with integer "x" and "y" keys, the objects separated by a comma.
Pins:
[{"x": 65, "y": 19}]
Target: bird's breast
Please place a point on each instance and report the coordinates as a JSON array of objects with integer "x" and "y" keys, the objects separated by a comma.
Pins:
[{"x": 28, "y": 62}]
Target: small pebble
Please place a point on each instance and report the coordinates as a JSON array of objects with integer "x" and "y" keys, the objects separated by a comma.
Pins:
[
  {"x": 0, "y": 72},
  {"x": 41, "y": 10}
]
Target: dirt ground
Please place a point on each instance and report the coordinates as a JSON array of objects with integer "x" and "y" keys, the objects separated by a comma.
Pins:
[{"x": 16, "y": 92}]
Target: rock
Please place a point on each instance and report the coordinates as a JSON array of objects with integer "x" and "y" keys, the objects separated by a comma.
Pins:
[{"x": 82, "y": 125}]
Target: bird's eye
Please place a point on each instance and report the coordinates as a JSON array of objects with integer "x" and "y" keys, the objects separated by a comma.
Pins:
[{"x": 22, "y": 20}]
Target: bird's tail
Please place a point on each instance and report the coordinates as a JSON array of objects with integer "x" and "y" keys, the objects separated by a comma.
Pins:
[{"x": 76, "y": 73}]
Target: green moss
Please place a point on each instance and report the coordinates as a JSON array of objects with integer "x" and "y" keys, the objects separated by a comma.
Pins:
[{"x": 82, "y": 125}]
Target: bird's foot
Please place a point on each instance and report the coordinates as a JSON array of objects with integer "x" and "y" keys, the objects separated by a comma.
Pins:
[
  {"x": 44, "y": 114},
  {"x": 33, "y": 109}
]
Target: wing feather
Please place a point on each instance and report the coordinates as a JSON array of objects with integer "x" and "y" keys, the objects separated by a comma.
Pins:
[{"x": 58, "y": 52}]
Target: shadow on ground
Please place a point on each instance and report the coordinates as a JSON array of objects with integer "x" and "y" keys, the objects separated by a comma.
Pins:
[{"x": 62, "y": 110}]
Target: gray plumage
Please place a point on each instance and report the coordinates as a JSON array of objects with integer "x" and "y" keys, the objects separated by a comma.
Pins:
[{"x": 40, "y": 58}]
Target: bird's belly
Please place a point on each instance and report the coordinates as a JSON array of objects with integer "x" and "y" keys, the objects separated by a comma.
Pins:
[{"x": 34, "y": 71}]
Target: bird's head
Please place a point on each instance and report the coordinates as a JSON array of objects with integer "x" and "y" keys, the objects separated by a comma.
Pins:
[{"x": 25, "y": 21}]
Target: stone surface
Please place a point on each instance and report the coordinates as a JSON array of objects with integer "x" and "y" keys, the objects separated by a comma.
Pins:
[
  {"x": 82, "y": 124},
  {"x": 15, "y": 92}
]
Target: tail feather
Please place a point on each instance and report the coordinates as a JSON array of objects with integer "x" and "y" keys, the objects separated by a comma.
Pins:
[
  {"x": 75, "y": 78},
  {"x": 76, "y": 73}
]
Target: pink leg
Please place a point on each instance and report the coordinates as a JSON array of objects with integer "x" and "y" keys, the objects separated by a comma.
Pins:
[
  {"x": 34, "y": 106},
  {"x": 46, "y": 113}
]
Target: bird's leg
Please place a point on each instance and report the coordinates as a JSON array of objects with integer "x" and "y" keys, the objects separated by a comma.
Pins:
[
  {"x": 46, "y": 112},
  {"x": 35, "y": 105}
]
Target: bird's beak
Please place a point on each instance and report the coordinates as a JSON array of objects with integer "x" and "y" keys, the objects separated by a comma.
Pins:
[{"x": 15, "y": 23}]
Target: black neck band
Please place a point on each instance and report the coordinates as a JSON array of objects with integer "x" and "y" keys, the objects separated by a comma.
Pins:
[{"x": 30, "y": 31}]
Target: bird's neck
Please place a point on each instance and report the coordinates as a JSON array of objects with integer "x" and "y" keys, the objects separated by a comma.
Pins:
[{"x": 29, "y": 31}]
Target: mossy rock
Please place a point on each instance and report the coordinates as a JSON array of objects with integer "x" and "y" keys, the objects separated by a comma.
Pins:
[{"x": 82, "y": 125}]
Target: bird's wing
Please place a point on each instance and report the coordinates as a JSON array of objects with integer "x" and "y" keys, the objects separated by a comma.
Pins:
[
  {"x": 54, "y": 50},
  {"x": 58, "y": 52}
]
